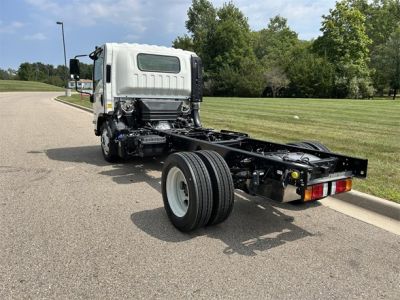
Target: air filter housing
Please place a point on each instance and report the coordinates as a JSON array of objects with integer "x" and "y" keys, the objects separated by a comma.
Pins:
[{"x": 159, "y": 109}]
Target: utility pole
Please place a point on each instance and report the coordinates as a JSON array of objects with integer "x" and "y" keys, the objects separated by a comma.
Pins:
[{"x": 67, "y": 92}]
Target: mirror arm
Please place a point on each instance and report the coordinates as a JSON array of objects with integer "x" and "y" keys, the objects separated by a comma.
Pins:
[
  {"x": 76, "y": 81},
  {"x": 81, "y": 55},
  {"x": 80, "y": 92}
]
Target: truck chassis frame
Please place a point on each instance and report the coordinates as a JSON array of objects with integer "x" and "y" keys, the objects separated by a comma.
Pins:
[{"x": 254, "y": 162}]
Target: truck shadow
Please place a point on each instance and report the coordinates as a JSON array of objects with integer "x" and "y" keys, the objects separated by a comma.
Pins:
[
  {"x": 135, "y": 170},
  {"x": 249, "y": 229},
  {"x": 85, "y": 154},
  {"x": 256, "y": 224}
]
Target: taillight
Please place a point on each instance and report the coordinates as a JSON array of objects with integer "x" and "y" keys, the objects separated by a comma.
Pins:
[
  {"x": 318, "y": 191},
  {"x": 341, "y": 186},
  {"x": 315, "y": 192}
]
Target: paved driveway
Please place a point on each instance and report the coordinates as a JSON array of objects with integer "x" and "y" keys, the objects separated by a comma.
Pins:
[{"x": 73, "y": 226}]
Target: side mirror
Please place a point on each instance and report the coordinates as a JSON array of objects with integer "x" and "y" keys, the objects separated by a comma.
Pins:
[
  {"x": 74, "y": 68},
  {"x": 91, "y": 98}
]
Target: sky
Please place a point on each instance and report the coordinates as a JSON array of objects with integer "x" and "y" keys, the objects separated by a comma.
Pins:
[{"x": 29, "y": 33}]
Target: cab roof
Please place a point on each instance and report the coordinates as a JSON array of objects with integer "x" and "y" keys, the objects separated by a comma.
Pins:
[{"x": 150, "y": 48}]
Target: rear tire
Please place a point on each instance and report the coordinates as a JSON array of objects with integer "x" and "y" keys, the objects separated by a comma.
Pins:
[
  {"x": 187, "y": 191},
  {"x": 301, "y": 144},
  {"x": 222, "y": 186},
  {"x": 312, "y": 145},
  {"x": 108, "y": 147},
  {"x": 318, "y": 146}
]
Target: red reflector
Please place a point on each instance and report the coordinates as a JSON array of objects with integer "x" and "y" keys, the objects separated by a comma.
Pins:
[{"x": 317, "y": 191}]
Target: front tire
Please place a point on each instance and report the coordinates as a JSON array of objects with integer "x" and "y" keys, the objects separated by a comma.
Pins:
[
  {"x": 108, "y": 147},
  {"x": 187, "y": 191}
]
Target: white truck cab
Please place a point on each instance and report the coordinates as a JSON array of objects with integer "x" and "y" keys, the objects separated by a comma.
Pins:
[
  {"x": 137, "y": 86},
  {"x": 139, "y": 71}
]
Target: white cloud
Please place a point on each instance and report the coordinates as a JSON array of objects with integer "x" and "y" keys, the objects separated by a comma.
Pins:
[
  {"x": 88, "y": 13},
  {"x": 10, "y": 27},
  {"x": 137, "y": 19},
  {"x": 133, "y": 19},
  {"x": 35, "y": 37}
]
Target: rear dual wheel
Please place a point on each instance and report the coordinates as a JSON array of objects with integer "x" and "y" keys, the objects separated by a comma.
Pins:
[
  {"x": 312, "y": 145},
  {"x": 197, "y": 189},
  {"x": 222, "y": 186}
]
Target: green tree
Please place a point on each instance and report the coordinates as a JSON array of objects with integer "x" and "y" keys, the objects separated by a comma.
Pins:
[
  {"x": 183, "y": 42},
  {"x": 86, "y": 70},
  {"x": 230, "y": 51},
  {"x": 276, "y": 42},
  {"x": 4, "y": 75},
  {"x": 223, "y": 40},
  {"x": 388, "y": 57},
  {"x": 202, "y": 17},
  {"x": 8, "y": 74},
  {"x": 243, "y": 81},
  {"x": 26, "y": 72},
  {"x": 344, "y": 42},
  {"x": 55, "y": 80},
  {"x": 230, "y": 41},
  {"x": 381, "y": 20},
  {"x": 276, "y": 79},
  {"x": 274, "y": 48},
  {"x": 310, "y": 75}
]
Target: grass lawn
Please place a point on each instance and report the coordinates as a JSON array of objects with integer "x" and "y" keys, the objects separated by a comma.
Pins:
[
  {"x": 78, "y": 99},
  {"x": 363, "y": 128},
  {"x": 28, "y": 86}
]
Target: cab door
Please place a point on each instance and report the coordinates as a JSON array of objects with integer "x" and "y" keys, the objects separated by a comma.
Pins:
[{"x": 98, "y": 86}]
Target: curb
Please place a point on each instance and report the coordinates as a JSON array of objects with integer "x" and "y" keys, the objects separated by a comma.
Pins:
[
  {"x": 381, "y": 206},
  {"x": 74, "y": 105}
]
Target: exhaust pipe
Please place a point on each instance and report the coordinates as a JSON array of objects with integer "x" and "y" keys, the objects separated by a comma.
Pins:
[{"x": 196, "y": 114}]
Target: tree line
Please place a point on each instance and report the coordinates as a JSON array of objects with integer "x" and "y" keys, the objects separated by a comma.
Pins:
[
  {"x": 356, "y": 56},
  {"x": 55, "y": 75}
]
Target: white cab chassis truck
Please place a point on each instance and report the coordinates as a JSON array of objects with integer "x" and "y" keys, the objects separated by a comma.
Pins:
[{"x": 146, "y": 102}]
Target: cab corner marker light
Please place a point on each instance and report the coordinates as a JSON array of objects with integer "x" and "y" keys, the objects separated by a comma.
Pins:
[{"x": 295, "y": 175}]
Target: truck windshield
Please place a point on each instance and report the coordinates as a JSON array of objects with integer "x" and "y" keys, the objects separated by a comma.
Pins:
[{"x": 158, "y": 63}]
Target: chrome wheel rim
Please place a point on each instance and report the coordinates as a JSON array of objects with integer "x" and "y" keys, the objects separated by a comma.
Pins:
[{"x": 105, "y": 142}]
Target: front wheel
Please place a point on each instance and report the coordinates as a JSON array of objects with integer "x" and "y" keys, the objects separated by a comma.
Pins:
[{"x": 108, "y": 147}]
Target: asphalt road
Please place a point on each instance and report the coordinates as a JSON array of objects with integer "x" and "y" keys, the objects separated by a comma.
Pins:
[{"x": 73, "y": 226}]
